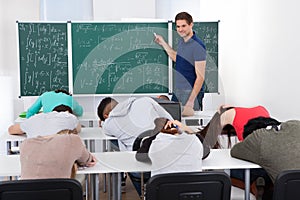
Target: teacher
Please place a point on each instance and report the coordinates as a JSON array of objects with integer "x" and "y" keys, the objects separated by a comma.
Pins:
[{"x": 190, "y": 65}]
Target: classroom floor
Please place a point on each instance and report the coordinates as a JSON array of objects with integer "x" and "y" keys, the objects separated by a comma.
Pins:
[{"x": 129, "y": 194}]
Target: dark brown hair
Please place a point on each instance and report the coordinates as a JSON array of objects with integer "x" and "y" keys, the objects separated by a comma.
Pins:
[
  {"x": 63, "y": 108},
  {"x": 184, "y": 16},
  {"x": 63, "y": 91},
  {"x": 102, "y": 105}
]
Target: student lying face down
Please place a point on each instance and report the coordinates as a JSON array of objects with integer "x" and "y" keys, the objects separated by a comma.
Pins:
[
  {"x": 235, "y": 117},
  {"x": 128, "y": 119},
  {"x": 50, "y": 99},
  {"x": 54, "y": 156},
  {"x": 173, "y": 149},
  {"x": 41, "y": 124}
]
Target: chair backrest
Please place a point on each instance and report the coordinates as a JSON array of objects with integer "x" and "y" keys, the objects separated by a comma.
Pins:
[
  {"x": 37, "y": 189},
  {"x": 189, "y": 185},
  {"x": 287, "y": 185}
]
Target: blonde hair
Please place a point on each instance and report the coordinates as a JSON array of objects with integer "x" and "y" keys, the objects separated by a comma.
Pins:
[{"x": 74, "y": 167}]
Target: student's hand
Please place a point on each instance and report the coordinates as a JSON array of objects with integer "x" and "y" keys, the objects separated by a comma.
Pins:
[
  {"x": 92, "y": 162},
  {"x": 178, "y": 125},
  {"x": 172, "y": 124}
]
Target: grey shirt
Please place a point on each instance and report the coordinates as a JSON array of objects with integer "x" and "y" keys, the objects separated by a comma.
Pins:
[
  {"x": 273, "y": 150},
  {"x": 132, "y": 117}
]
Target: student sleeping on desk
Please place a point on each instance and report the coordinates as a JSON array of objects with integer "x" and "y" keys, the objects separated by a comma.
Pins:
[
  {"x": 42, "y": 124},
  {"x": 247, "y": 123},
  {"x": 54, "y": 156},
  {"x": 175, "y": 148}
]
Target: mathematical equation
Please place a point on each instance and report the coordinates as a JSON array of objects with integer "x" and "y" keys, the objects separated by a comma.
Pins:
[
  {"x": 119, "y": 58},
  {"x": 43, "y": 57}
]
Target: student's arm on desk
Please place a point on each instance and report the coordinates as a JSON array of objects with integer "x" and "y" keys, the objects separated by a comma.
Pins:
[
  {"x": 180, "y": 125},
  {"x": 249, "y": 149},
  {"x": 92, "y": 162},
  {"x": 85, "y": 159},
  {"x": 34, "y": 108},
  {"x": 15, "y": 130}
]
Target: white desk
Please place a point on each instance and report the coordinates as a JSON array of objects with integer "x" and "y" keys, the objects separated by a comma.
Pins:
[
  {"x": 89, "y": 134},
  {"x": 86, "y": 117},
  {"x": 10, "y": 165},
  {"x": 116, "y": 162},
  {"x": 92, "y": 116}
]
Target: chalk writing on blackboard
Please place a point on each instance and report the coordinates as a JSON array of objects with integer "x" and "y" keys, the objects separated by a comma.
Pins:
[
  {"x": 43, "y": 54},
  {"x": 120, "y": 58}
]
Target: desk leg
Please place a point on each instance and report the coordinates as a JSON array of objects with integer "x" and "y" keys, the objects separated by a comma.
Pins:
[
  {"x": 116, "y": 186},
  {"x": 92, "y": 146},
  {"x": 91, "y": 123},
  {"x": 8, "y": 147},
  {"x": 247, "y": 184},
  {"x": 142, "y": 185},
  {"x": 87, "y": 178},
  {"x": 94, "y": 186}
]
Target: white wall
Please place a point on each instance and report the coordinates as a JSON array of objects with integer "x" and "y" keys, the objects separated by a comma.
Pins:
[
  {"x": 65, "y": 10},
  {"x": 259, "y": 43},
  {"x": 113, "y": 10},
  {"x": 10, "y": 12},
  {"x": 258, "y": 47},
  {"x": 167, "y": 9}
]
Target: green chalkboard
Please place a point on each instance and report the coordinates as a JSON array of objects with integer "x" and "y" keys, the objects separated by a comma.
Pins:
[
  {"x": 208, "y": 32},
  {"x": 118, "y": 58},
  {"x": 43, "y": 54}
]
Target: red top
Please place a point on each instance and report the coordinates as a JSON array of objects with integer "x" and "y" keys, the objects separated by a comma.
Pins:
[{"x": 243, "y": 115}]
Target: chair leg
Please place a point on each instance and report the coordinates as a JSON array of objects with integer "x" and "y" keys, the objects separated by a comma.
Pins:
[{"x": 142, "y": 185}]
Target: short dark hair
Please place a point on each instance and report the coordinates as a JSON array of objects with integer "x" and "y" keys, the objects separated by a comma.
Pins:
[
  {"x": 63, "y": 91},
  {"x": 184, "y": 16},
  {"x": 258, "y": 123},
  {"x": 102, "y": 105},
  {"x": 63, "y": 108}
]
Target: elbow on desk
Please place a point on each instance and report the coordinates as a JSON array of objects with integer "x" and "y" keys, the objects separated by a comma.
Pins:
[{"x": 15, "y": 130}]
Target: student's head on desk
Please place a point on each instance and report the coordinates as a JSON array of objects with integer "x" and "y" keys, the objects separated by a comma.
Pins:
[
  {"x": 63, "y": 108},
  {"x": 60, "y": 118},
  {"x": 63, "y": 91},
  {"x": 105, "y": 107},
  {"x": 165, "y": 97}
]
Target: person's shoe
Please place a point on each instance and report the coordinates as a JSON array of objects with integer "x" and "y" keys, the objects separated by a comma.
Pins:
[
  {"x": 260, "y": 184},
  {"x": 123, "y": 186}
]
